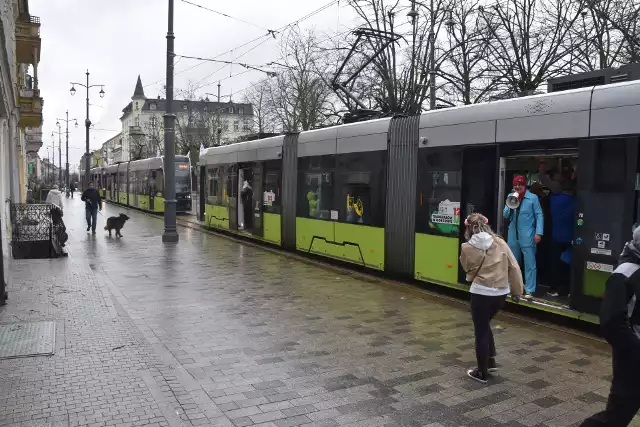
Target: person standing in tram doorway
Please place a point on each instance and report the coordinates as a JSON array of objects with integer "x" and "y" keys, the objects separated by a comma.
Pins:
[
  {"x": 620, "y": 325},
  {"x": 247, "y": 205},
  {"x": 526, "y": 227}
]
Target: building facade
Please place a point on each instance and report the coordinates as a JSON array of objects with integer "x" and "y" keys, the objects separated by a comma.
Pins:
[
  {"x": 197, "y": 122},
  {"x": 20, "y": 112}
]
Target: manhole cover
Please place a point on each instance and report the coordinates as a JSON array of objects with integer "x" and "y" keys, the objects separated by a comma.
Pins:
[{"x": 27, "y": 339}]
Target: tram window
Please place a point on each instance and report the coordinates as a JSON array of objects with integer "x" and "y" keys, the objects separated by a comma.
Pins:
[
  {"x": 439, "y": 191},
  {"x": 361, "y": 180},
  {"x": 315, "y": 186},
  {"x": 122, "y": 182},
  {"x": 213, "y": 178},
  {"x": 231, "y": 183},
  {"x": 610, "y": 170},
  {"x": 271, "y": 186},
  {"x": 158, "y": 176}
]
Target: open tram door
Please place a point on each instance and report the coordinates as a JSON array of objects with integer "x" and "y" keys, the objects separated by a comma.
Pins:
[
  {"x": 479, "y": 183},
  {"x": 231, "y": 195},
  {"x": 606, "y": 209},
  {"x": 258, "y": 178}
]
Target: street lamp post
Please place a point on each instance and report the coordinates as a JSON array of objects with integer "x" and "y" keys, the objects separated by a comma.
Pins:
[
  {"x": 59, "y": 152},
  {"x": 170, "y": 230},
  {"x": 67, "y": 120},
  {"x": 87, "y": 123}
]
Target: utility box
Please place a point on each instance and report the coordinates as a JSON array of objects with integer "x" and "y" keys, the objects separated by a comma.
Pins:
[{"x": 595, "y": 78}]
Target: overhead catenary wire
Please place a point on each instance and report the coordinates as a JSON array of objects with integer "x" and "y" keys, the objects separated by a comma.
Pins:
[
  {"x": 270, "y": 33},
  {"x": 226, "y": 15}
]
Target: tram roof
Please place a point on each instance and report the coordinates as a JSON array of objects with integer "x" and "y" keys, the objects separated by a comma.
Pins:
[{"x": 580, "y": 113}]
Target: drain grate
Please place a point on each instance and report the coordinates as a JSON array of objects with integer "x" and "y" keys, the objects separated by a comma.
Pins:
[{"x": 27, "y": 339}]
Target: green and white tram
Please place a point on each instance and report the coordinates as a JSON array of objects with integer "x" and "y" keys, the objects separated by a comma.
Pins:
[
  {"x": 140, "y": 184},
  {"x": 390, "y": 194}
]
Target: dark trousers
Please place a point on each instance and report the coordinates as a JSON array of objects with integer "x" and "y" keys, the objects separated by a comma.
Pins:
[
  {"x": 561, "y": 273},
  {"x": 92, "y": 217},
  {"x": 624, "y": 399},
  {"x": 483, "y": 308}
]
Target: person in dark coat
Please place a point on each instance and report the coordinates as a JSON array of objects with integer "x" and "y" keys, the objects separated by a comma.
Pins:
[
  {"x": 620, "y": 323},
  {"x": 92, "y": 204},
  {"x": 247, "y": 205}
]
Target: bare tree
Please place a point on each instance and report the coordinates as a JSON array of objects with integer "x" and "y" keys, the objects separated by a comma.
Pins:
[
  {"x": 154, "y": 130},
  {"x": 528, "y": 40},
  {"x": 402, "y": 70},
  {"x": 263, "y": 115},
  {"x": 622, "y": 16},
  {"x": 195, "y": 124},
  {"x": 138, "y": 148},
  {"x": 596, "y": 43},
  {"x": 466, "y": 71},
  {"x": 297, "y": 95}
]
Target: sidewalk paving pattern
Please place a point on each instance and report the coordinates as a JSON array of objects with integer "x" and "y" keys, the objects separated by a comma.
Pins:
[{"x": 215, "y": 332}]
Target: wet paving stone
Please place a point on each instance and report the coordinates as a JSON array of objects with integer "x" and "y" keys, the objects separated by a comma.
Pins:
[{"x": 214, "y": 332}]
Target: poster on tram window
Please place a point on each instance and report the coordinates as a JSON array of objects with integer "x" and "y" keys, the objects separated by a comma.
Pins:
[
  {"x": 446, "y": 218},
  {"x": 268, "y": 198}
]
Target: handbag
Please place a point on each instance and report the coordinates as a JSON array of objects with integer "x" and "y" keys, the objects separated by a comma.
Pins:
[{"x": 484, "y": 255}]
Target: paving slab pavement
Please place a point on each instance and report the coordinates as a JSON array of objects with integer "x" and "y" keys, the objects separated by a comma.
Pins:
[{"x": 215, "y": 332}]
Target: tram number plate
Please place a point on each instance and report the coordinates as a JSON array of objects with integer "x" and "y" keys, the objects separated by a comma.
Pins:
[{"x": 607, "y": 268}]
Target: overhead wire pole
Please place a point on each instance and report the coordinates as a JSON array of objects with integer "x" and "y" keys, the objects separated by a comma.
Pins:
[
  {"x": 170, "y": 230},
  {"x": 67, "y": 120},
  {"x": 432, "y": 60}
]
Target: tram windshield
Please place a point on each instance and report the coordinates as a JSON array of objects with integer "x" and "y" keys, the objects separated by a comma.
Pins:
[{"x": 183, "y": 178}]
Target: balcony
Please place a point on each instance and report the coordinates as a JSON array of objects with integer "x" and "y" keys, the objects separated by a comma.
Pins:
[
  {"x": 33, "y": 139},
  {"x": 30, "y": 108},
  {"x": 28, "y": 40}
]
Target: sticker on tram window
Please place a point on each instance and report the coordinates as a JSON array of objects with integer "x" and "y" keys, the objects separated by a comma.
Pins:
[
  {"x": 446, "y": 218},
  {"x": 268, "y": 198},
  {"x": 598, "y": 251},
  {"x": 596, "y": 266}
]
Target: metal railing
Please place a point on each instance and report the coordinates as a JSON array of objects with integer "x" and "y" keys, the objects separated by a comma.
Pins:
[{"x": 37, "y": 230}]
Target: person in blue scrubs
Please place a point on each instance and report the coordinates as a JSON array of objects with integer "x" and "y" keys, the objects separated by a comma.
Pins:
[{"x": 526, "y": 225}]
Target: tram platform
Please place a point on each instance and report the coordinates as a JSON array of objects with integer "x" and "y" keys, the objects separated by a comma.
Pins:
[{"x": 213, "y": 331}]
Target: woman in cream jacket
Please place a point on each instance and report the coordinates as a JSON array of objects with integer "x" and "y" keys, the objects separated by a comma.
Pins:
[{"x": 494, "y": 273}]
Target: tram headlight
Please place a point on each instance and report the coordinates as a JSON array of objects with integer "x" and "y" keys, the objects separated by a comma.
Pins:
[{"x": 188, "y": 196}]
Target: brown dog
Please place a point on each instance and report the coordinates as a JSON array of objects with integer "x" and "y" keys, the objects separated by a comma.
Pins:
[{"x": 116, "y": 223}]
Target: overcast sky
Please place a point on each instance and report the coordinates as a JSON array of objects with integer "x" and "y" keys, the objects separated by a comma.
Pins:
[{"x": 118, "y": 39}]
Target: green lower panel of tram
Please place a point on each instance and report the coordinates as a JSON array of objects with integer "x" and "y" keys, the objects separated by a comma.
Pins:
[
  {"x": 354, "y": 243},
  {"x": 272, "y": 224},
  {"x": 158, "y": 204},
  {"x": 144, "y": 202},
  {"x": 122, "y": 198},
  {"x": 132, "y": 199},
  {"x": 436, "y": 260},
  {"x": 594, "y": 283},
  {"x": 107, "y": 196},
  {"x": 216, "y": 216}
]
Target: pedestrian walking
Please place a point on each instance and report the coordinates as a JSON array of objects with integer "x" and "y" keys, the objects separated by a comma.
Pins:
[
  {"x": 72, "y": 188},
  {"x": 493, "y": 272},
  {"x": 92, "y": 203},
  {"x": 620, "y": 324}
]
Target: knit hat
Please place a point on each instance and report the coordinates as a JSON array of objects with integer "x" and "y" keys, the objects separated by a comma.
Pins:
[{"x": 519, "y": 180}]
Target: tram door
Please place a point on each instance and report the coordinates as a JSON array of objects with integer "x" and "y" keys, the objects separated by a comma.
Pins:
[
  {"x": 258, "y": 177},
  {"x": 233, "y": 194},
  {"x": 201, "y": 195},
  {"x": 606, "y": 209},
  {"x": 479, "y": 187}
]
